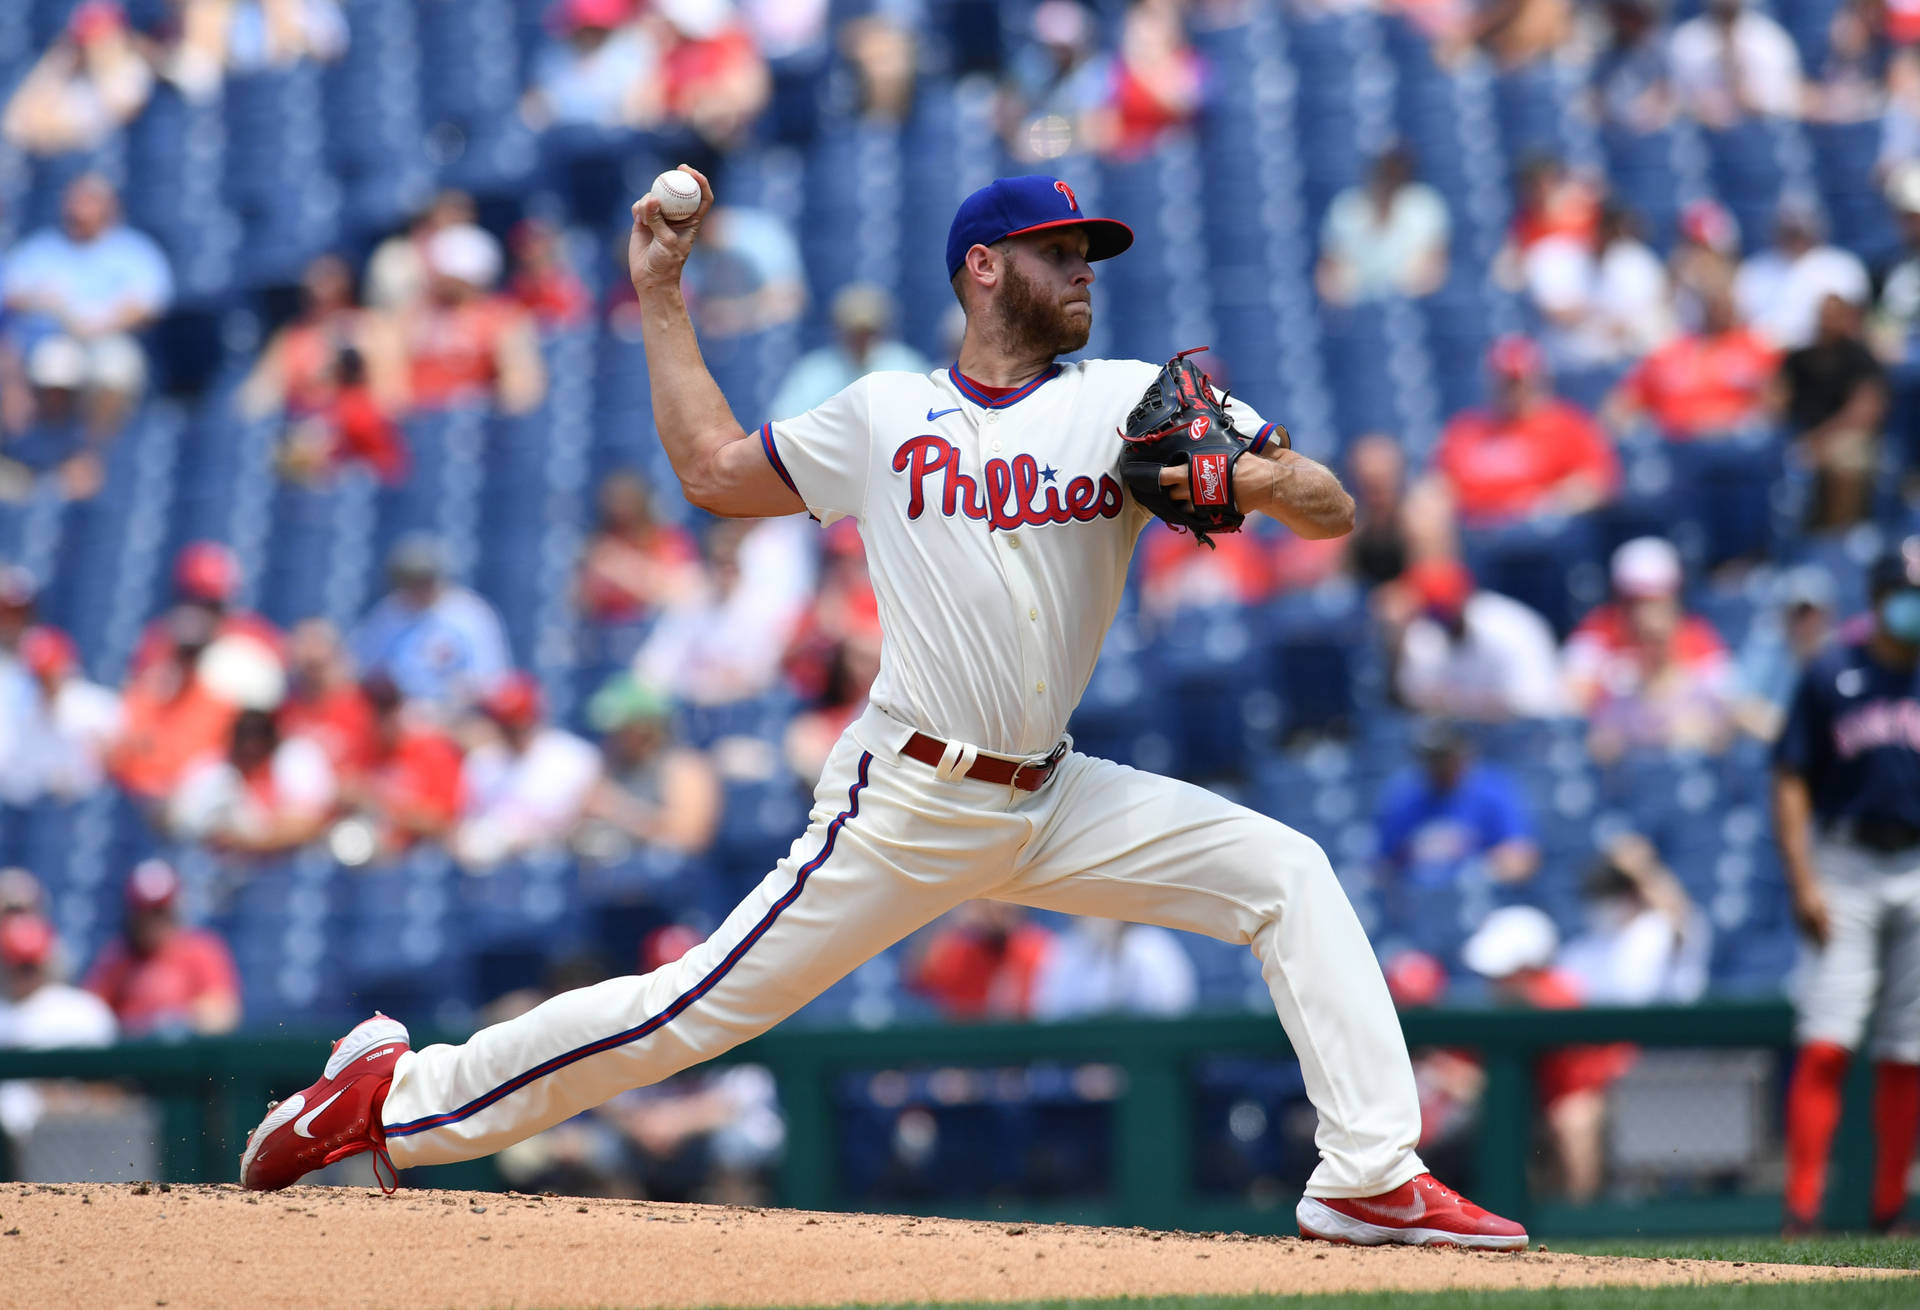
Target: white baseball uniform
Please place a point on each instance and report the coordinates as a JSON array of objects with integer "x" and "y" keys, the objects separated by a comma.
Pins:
[{"x": 998, "y": 537}]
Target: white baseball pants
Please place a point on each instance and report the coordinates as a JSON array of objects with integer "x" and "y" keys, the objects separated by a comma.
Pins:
[
  {"x": 1872, "y": 955},
  {"x": 890, "y": 847}
]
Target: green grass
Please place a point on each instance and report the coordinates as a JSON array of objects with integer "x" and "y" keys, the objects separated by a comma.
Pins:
[
  {"x": 1852, "y": 1250},
  {"x": 1873, "y": 1294}
]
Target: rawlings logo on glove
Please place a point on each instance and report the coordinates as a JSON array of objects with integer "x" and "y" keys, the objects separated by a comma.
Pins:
[{"x": 1181, "y": 422}]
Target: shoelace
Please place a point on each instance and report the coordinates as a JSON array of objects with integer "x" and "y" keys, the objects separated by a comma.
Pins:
[
  {"x": 388, "y": 1184},
  {"x": 1448, "y": 1194}
]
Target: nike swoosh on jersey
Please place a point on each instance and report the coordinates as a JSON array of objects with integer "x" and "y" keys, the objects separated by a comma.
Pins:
[
  {"x": 305, "y": 1121},
  {"x": 932, "y": 415}
]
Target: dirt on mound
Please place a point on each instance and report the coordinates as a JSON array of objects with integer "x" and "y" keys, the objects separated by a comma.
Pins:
[{"x": 340, "y": 1248}]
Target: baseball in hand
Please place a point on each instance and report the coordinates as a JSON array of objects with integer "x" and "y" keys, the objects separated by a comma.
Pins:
[{"x": 678, "y": 194}]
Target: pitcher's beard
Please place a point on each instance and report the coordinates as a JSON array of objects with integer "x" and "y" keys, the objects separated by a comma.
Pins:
[{"x": 1032, "y": 321}]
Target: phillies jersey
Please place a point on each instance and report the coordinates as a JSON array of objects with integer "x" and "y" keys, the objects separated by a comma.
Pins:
[{"x": 998, "y": 535}]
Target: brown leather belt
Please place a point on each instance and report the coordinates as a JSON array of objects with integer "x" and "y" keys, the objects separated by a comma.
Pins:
[{"x": 987, "y": 768}]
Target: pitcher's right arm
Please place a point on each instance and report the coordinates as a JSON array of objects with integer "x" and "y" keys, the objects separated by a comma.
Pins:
[{"x": 722, "y": 468}]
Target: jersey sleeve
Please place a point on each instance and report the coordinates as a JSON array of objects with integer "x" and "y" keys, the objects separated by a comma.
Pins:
[
  {"x": 824, "y": 453},
  {"x": 1247, "y": 422}
]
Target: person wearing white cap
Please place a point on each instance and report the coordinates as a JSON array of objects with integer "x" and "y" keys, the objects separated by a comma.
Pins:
[
  {"x": 1515, "y": 949},
  {"x": 57, "y": 441},
  {"x": 1605, "y": 654},
  {"x": 464, "y": 342}
]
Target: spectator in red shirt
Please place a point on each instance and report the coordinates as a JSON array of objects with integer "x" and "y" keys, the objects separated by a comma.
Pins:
[
  {"x": 1553, "y": 202},
  {"x": 543, "y": 281},
  {"x": 324, "y": 703},
  {"x": 982, "y": 962},
  {"x": 1646, "y": 674},
  {"x": 714, "y": 79},
  {"x": 407, "y": 788},
  {"x": 1601, "y": 652},
  {"x": 1705, "y": 384},
  {"x": 1177, "y": 575},
  {"x": 1530, "y": 454},
  {"x": 161, "y": 977},
  {"x": 264, "y": 795},
  {"x": 206, "y": 575},
  {"x": 1514, "y": 950},
  {"x": 298, "y": 371},
  {"x": 1158, "y": 80},
  {"x": 464, "y": 342},
  {"x": 634, "y": 564}
]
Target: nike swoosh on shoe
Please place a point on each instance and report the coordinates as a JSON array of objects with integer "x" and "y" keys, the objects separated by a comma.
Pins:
[
  {"x": 1413, "y": 1210},
  {"x": 305, "y": 1121}
]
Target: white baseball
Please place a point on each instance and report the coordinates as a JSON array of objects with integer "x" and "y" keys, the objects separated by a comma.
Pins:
[{"x": 678, "y": 194}]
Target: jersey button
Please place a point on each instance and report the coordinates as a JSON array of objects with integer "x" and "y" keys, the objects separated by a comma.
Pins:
[
  {"x": 996, "y": 445},
  {"x": 993, "y": 418},
  {"x": 1034, "y": 614},
  {"x": 1040, "y": 687},
  {"x": 1013, "y": 542}
]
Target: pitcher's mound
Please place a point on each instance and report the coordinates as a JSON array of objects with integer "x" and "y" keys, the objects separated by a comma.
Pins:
[{"x": 326, "y": 1248}]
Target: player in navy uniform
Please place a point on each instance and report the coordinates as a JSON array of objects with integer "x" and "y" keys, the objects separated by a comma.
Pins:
[{"x": 1847, "y": 813}]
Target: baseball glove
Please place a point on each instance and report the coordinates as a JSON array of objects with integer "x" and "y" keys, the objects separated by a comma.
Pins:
[{"x": 1181, "y": 421}]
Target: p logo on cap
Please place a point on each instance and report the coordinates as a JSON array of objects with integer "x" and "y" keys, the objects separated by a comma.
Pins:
[{"x": 1010, "y": 206}]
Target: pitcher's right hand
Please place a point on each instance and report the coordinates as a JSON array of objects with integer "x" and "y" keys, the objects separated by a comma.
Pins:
[{"x": 657, "y": 249}]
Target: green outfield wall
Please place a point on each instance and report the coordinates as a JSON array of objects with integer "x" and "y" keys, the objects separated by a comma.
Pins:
[{"x": 211, "y": 1091}]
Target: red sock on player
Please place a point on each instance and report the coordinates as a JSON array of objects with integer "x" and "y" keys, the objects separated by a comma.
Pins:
[
  {"x": 1896, "y": 1121},
  {"x": 1813, "y": 1112}
]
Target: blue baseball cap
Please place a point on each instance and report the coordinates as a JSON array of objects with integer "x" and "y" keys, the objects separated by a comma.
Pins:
[{"x": 1010, "y": 206}]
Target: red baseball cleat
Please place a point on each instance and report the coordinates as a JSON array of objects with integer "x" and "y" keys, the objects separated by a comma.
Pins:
[
  {"x": 337, "y": 1117},
  {"x": 1423, "y": 1212}
]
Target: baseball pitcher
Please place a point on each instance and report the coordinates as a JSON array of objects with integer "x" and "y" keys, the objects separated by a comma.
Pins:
[{"x": 999, "y": 500}]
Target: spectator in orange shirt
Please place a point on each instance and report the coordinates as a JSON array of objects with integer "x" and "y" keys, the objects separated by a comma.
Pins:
[
  {"x": 160, "y": 977},
  {"x": 1530, "y": 454},
  {"x": 982, "y": 962},
  {"x": 172, "y": 717},
  {"x": 1706, "y": 384},
  {"x": 464, "y": 342}
]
